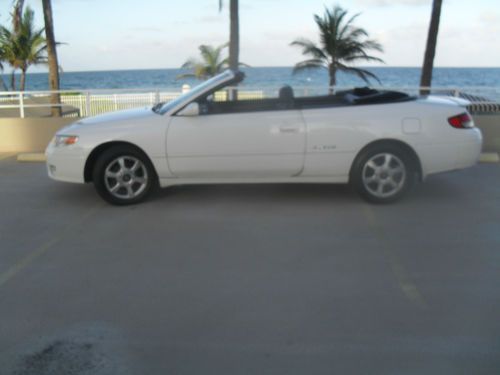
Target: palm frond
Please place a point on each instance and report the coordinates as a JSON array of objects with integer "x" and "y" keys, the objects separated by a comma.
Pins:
[
  {"x": 185, "y": 75},
  {"x": 189, "y": 64},
  {"x": 308, "y": 65},
  {"x": 353, "y": 33},
  {"x": 348, "y": 26},
  {"x": 210, "y": 64},
  {"x": 364, "y": 74},
  {"x": 309, "y": 48}
]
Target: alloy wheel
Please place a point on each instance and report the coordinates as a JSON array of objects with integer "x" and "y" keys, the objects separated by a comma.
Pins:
[
  {"x": 384, "y": 175},
  {"x": 126, "y": 177}
]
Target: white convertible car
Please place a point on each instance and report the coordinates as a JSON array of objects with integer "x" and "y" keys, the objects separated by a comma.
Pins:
[{"x": 379, "y": 141}]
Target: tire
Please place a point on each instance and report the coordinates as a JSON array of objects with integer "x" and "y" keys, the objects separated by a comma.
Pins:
[
  {"x": 123, "y": 175},
  {"x": 383, "y": 174}
]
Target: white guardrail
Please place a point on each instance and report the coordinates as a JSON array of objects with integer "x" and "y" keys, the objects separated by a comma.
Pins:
[{"x": 84, "y": 103}]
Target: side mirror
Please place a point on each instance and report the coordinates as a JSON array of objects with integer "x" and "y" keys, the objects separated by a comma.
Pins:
[{"x": 191, "y": 110}]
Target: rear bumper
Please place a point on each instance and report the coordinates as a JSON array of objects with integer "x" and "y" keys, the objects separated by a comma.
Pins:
[
  {"x": 461, "y": 152},
  {"x": 66, "y": 164},
  {"x": 467, "y": 154}
]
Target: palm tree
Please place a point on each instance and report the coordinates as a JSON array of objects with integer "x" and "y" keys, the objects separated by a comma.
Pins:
[
  {"x": 25, "y": 47},
  {"x": 430, "y": 50},
  {"x": 17, "y": 15},
  {"x": 52, "y": 57},
  {"x": 212, "y": 63},
  {"x": 342, "y": 44},
  {"x": 9, "y": 52}
]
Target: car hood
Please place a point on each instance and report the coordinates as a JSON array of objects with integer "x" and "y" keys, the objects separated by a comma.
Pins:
[{"x": 125, "y": 115}]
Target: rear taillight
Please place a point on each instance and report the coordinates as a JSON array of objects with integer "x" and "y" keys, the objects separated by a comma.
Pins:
[{"x": 463, "y": 121}]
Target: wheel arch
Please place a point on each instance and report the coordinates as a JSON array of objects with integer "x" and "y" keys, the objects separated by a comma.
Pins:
[
  {"x": 391, "y": 142},
  {"x": 97, "y": 151}
]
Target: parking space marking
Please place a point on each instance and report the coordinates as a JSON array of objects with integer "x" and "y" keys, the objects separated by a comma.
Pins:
[
  {"x": 408, "y": 288},
  {"x": 7, "y": 155},
  {"x": 14, "y": 270}
]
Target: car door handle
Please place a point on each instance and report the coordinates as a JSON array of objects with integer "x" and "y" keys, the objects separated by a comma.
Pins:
[{"x": 289, "y": 129}]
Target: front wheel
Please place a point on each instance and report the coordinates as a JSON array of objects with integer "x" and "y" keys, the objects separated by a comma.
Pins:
[
  {"x": 123, "y": 176},
  {"x": 383, "y": 175}
]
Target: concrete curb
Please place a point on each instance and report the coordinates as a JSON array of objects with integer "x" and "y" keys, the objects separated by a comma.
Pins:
[
  {"x": 31, "y": 158},
  {"x": 7, "y": 155},
  {"x": 489, "y": 157}
]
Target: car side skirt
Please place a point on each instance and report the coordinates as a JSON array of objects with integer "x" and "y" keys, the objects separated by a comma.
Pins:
[{"x": 166, "y": 182}]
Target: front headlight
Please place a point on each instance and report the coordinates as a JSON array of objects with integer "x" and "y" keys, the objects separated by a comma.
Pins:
[{"x": 65, "y": 140}]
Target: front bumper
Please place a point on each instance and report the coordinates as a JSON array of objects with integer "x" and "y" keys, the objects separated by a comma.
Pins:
[{"x": 66, "y": 163}]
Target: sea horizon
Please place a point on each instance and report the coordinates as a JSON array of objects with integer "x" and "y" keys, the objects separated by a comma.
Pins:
[
  {"x": 253, "y": 67},
  {"x": 485, "y": 79}
]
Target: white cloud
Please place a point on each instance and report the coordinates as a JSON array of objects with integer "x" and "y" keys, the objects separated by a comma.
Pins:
[
  {"x": 394, "y": 2},
  {"x": 490, "y": 17},
  {"x": 211, "y": 19}
]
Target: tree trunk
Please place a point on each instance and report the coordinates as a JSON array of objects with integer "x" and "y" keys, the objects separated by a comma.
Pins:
[
  {"x": 13, "y": 80},
  {"x": 22, "y": 84},
  {"x": 430, "y": 50},
  {"x": 55, "y": 98},
  {"x": 234, "y": 42},
  {"x": 333, "y": 80}
]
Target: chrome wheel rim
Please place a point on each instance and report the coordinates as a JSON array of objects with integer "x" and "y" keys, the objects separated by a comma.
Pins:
[
  {"x": 126, "y": 177},
  {"x": 384, "y": 175}
]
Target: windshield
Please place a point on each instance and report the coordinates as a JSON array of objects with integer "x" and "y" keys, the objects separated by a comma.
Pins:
[{"x": 163, "y": 108}]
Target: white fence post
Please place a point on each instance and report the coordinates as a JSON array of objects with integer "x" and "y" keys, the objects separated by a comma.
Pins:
[
  {"x": 116, "y": 102},
  {"x": 21, "y": 104},
  {"x": 157, "y": 96},
  {"x": 87, "y": 103},
  {"x": 81, "y": 104}
]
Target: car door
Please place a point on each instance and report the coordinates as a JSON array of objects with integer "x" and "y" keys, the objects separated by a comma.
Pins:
[{"x": 255, "y": 144}]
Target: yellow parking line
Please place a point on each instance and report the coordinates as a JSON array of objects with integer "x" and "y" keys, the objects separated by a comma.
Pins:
[
  {"x": 7, "y": 155},
  {"x": 489, "y": 157},
  {"x": 408, "y": 288},
  {"x": 6, "y": 276}
]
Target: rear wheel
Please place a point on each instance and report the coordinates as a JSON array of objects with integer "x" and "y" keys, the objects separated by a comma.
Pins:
[
  {"x": 123, "y": 175},
  {"x": 383, "y": 174}
]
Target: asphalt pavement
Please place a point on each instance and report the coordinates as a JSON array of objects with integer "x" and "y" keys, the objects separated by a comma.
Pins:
[{"x": 242, "y": 279}]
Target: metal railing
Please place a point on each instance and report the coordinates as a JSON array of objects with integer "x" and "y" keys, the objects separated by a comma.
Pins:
[
  {"x": 94, "y": 102},
  {"x": 81, "y": 103}
]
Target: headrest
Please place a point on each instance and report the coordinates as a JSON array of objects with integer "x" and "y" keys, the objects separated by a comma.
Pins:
[{"x": 286, "y": 93}]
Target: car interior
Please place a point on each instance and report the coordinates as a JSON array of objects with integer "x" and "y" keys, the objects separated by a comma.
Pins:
[{"x": 286, "y": 100}]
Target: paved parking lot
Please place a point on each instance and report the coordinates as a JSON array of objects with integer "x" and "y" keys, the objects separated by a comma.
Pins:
[{"x": 250, "y": 279}]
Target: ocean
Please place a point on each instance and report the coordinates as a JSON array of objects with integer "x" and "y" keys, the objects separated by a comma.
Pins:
[{"x": 486, "y": 80}]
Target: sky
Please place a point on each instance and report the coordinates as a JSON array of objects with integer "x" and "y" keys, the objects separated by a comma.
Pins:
[{"x": 157, "y": 34}]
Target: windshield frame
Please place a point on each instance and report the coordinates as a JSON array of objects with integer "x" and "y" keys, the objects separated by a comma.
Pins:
[{"x": 221, "y": 80}]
